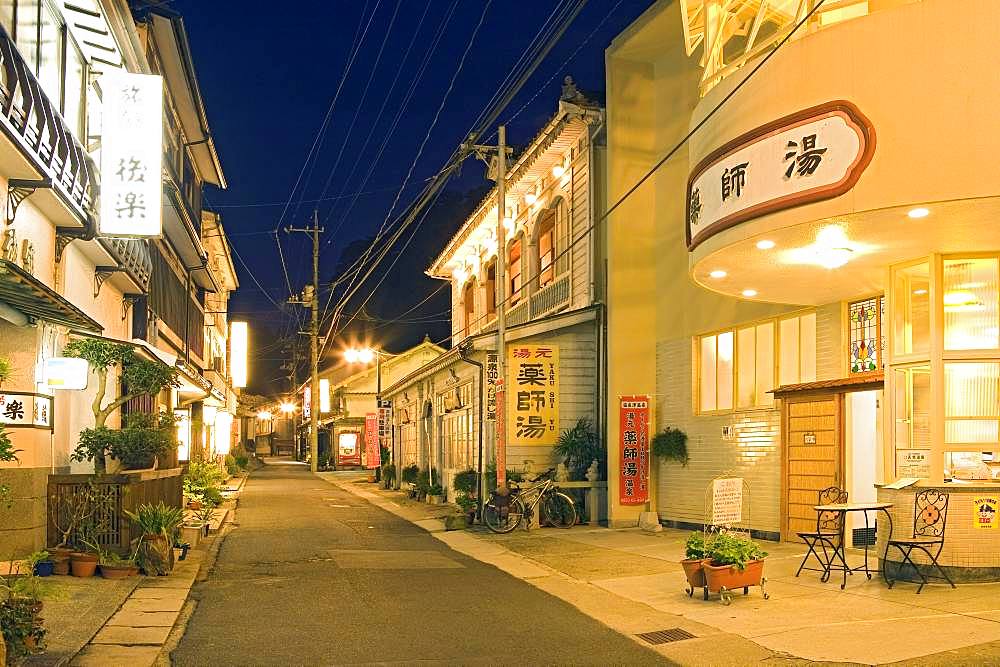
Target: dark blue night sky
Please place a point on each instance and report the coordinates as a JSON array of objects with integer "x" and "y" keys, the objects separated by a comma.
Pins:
[{"x": 269, "y": 70}]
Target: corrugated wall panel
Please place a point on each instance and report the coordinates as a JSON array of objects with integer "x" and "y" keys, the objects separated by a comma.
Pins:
[{"x": 580, "y": 254}]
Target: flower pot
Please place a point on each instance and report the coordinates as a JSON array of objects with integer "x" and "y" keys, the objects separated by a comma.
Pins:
[
  {"x": 433, "y": 500},
  {"x": 45, "y": 568},
  {"x": 60, "y": 564},
  {"x": 191, "y": 534},
  {"x": 118, "y": 571},
  {"x": 694, "y": 571},
  {"x": 82, "y": 564},
  {"x": 727, "y": 576},
  {"x": 194, "y": 505},
  {"x": 371, "y": 479}
]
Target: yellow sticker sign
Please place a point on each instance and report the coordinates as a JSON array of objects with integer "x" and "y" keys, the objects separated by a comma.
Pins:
[
  {"x": 532, "y": 394},
  {"x": 984, "y": 512}
]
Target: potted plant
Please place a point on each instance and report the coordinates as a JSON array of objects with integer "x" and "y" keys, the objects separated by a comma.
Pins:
[
  {"x": 157, "y": 525},
  {"x": 114, "y": 566},
  {"x": 670, "y": 444},
  {"x": 141, "y": 376},
  {"x": 735, "y": 561},
  {"x": 39, "y": 563},
  {"x": 205, "y": 516},
  {"x": 191, "y": 532},
  {"x": 388, "y": 475},
  {"x": 695, "y": 554},
  {"x": 21, "y": 624},
  {"x": 580, "y": 446},
  {"x": 435, "y": 494},
  {"x": 411, "y": 474}
]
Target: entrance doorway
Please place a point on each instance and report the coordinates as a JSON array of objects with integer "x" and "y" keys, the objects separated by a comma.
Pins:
[{"x": 863, "y": 464}]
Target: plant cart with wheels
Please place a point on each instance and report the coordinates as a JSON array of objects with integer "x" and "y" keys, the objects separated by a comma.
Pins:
[{"x": 723, "y": 558}]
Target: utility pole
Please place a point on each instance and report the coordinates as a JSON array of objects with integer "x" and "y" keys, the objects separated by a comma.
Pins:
[{"x": 310, "y": 297}]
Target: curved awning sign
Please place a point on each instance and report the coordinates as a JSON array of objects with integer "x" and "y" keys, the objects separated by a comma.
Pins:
[{"x": 814, "y": 154}]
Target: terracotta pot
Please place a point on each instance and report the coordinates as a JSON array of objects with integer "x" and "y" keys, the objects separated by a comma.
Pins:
[
  {"x": 60, "y": 564},
  {"x": 729, "y": 577},
  {"x": 118, "y": 571},
  {"x": 82, "y": 564},
  {"x": 694, "y": 572},
  {"x": 194, "y": 505}
]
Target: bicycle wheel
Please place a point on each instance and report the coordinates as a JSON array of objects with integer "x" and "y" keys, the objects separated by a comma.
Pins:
[
  {"x": 559, "y": 509},
  {"x": 505, "y": 518}
]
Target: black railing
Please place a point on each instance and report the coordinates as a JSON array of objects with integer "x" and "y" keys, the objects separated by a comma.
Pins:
[
  {"x": 133, "y": 256},
  {"x": 35, "y": 124}
]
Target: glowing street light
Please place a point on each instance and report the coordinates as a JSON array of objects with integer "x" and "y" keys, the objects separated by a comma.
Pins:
[
  {"x": 263, "y": 415},
  {"x": 288, "y": 408}
]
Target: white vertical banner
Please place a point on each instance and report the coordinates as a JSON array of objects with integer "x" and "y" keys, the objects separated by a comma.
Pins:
[{"x": 131, "y": 154}]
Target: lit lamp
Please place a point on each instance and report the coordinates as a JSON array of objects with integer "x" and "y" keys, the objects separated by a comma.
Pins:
[
  {"x": 238, "y": 349},
  {"x": 264, "y": 415},
  {"x": 288, "y": 408}
]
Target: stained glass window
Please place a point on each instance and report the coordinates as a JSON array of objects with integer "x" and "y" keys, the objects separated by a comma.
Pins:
[{"x": 867, "y": 344}]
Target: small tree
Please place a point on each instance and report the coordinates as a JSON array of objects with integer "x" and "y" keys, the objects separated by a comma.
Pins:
[{"x": 141, "y": 376}]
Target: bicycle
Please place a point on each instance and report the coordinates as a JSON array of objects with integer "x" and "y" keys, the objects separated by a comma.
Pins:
[{"x": 504, "y": 512}]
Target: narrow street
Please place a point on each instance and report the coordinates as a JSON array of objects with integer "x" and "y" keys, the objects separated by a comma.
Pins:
[{"x": 313, "y": 575}]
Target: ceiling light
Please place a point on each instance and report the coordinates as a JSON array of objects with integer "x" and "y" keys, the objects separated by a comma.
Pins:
[
  {"x": 833, "y": 258},
  {"x": 765, "y": 244},
  {"x": 718, "y": 273},
  {"x": 962, "y": 301},
  {"x": 920, "y": 292},
  {"x": 558, "y": 171},
  {"x": 749, "y": 293},
  {"x": 920, "y": 212}
]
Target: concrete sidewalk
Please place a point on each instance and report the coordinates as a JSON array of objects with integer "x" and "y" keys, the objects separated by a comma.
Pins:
[{"x": 616, "y": 575}]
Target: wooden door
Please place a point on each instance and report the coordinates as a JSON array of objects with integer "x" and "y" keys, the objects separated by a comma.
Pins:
[{"x": 812, "y": 428}]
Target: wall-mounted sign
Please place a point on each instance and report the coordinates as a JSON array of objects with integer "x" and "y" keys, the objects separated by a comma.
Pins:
[
  {"x": 324, "y": 395},
  {"x": 501, "y": 435},
  {"x": 913, "y": 463},
  {"x": 25, "y": 410},
  {"x": 307, "y": 401},
  {"x": 65, "y": 373},
  {"x": 492, "y": 375},
  {"x": 815, "y": 154},
  {"x": 808, "y": 438},
  {"x": 984, "y": 512},
  {"x": 348, "y": 448},
  {"x": 533, "y": 396},
  {"x": 633, "y": 447},
  {"x": 373, "y": 456},
  {"x": 239, "y": 345},
  {"x": 727, "y": 501},
  {"x": 131, "y": 154}
]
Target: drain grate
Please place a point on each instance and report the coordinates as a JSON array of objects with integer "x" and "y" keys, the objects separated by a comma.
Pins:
[{"x": 666, "y": 636}]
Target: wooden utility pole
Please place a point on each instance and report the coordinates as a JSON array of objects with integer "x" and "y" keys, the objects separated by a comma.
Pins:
[{"x": 310, "y": 297}]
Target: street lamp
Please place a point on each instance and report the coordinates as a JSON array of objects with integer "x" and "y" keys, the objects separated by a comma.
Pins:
[{"x": 288, "y": 408}]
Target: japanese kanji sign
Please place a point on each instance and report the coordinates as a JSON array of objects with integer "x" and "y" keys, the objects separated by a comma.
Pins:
[
  {"x": 532, "y": 394},
  {"x": 373, "y": 455},
  {"x": 492, "y": 375},
  {"x": 26, "y": 410},
  {"x": 131, "y": 154},
  {"x": 384, "y": 424},
  {"x": 633, "y": 448},
  {"x": 501, "y": 433},
  {"x": 727, "y": 501},
  {"x": 815, "y": 154},
  {"x": 307, "y": 401}
]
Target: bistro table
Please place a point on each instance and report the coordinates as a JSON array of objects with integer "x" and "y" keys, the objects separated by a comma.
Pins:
[{"x": 844, "y": 508}]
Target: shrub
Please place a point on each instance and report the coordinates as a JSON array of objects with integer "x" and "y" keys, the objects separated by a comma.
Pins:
[
  {"x": 735, "y": 550},
  {"x": 466, "y": 481},
  {"x": 466, "y": 502},
  {"x": 204, "y": 480},
  {"x": 231, "y": 466},
  {"x": 580, "y": 446},
  {"x": 242, "y": 461},
  {"x": 411, "y": 473},
  {"x": 435, "y": 490},
  {"x": 670, "y": 444}
]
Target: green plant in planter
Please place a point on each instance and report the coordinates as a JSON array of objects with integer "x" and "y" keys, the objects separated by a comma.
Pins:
[
  {"x": 158, "y": 525},
  {"x": 231, "y": 466},
  {"x": 578, "y": 447},
  {"x": 670, "y": 444},
  {"x": 734, "y": 550},
  {"x": 435, "y": 490},
  {"x": 388, "y": 475},
  {"x": 466, "y": 502},
  {"x": 7, "y": 455},
  {"x": 410, "y": 474},
  {"x": 141, "y": 376},
  {"x": 466, "y": 481},
  {"x": 203, "y": 480},
  {"x": 697, "y": 546}
]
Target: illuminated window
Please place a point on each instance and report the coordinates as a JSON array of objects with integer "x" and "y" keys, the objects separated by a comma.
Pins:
[
  {"x": 514, "y": 271},
  {"x": 866, "y": 341},
  {"x": 546, "y": 248},
  {"x": 911, "y": 315},
  {"x": 468, "y": 306},
  {"x": 737, "y": 368},
  {"x": 970, "y": 304},
  {"x": 490, "y": 287}
]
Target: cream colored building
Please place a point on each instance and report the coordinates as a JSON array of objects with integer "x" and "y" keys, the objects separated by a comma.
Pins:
[
  {"x": 555, "y": 283},
  {"x": 826, "y": 270}
]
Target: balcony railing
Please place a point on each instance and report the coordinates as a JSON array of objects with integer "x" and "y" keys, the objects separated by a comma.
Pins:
[
  {"x": 32, "y": 121},
  {"x": 133, "y": 256},
  {"x": 550, "y": 298}
]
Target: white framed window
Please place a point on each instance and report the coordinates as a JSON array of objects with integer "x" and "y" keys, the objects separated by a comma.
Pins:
[{"x": 739, "y": 367}]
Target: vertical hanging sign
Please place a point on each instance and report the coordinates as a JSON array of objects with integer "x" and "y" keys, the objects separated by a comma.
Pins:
[
  {"x": 373, "y": 457},
  {"x": 492, "y": 375},
  {"x": 501, "y": 433},
  {"x": 131, "y": 154},
  {"x": 533, "y": 376},
  {"x": 633, "y": 471}
]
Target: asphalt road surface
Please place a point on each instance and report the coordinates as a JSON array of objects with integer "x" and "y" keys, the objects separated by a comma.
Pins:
[{"x": 313, "y": 575}]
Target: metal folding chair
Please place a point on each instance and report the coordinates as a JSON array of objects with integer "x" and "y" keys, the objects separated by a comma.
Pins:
[
  {"x": 828, "y": 536},
  {"x": 930, "y": 517}
]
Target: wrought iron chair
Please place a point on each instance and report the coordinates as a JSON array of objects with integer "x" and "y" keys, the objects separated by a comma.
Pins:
[
  {"x": 930, "y": 517},
  {"x": 828, "y": 536}
]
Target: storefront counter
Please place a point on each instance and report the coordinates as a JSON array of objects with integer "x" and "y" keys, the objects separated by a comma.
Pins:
[{"x": 972, "y": 537}]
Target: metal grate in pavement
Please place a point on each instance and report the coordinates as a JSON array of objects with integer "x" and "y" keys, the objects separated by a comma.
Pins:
[{"x": 666, "y": 636}]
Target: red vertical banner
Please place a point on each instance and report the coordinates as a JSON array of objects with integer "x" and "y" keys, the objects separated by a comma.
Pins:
[
  {"x": 633, "y": 450},
  {"x": 373, "y": 456},
  {"x": 501, "y": 433}
]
